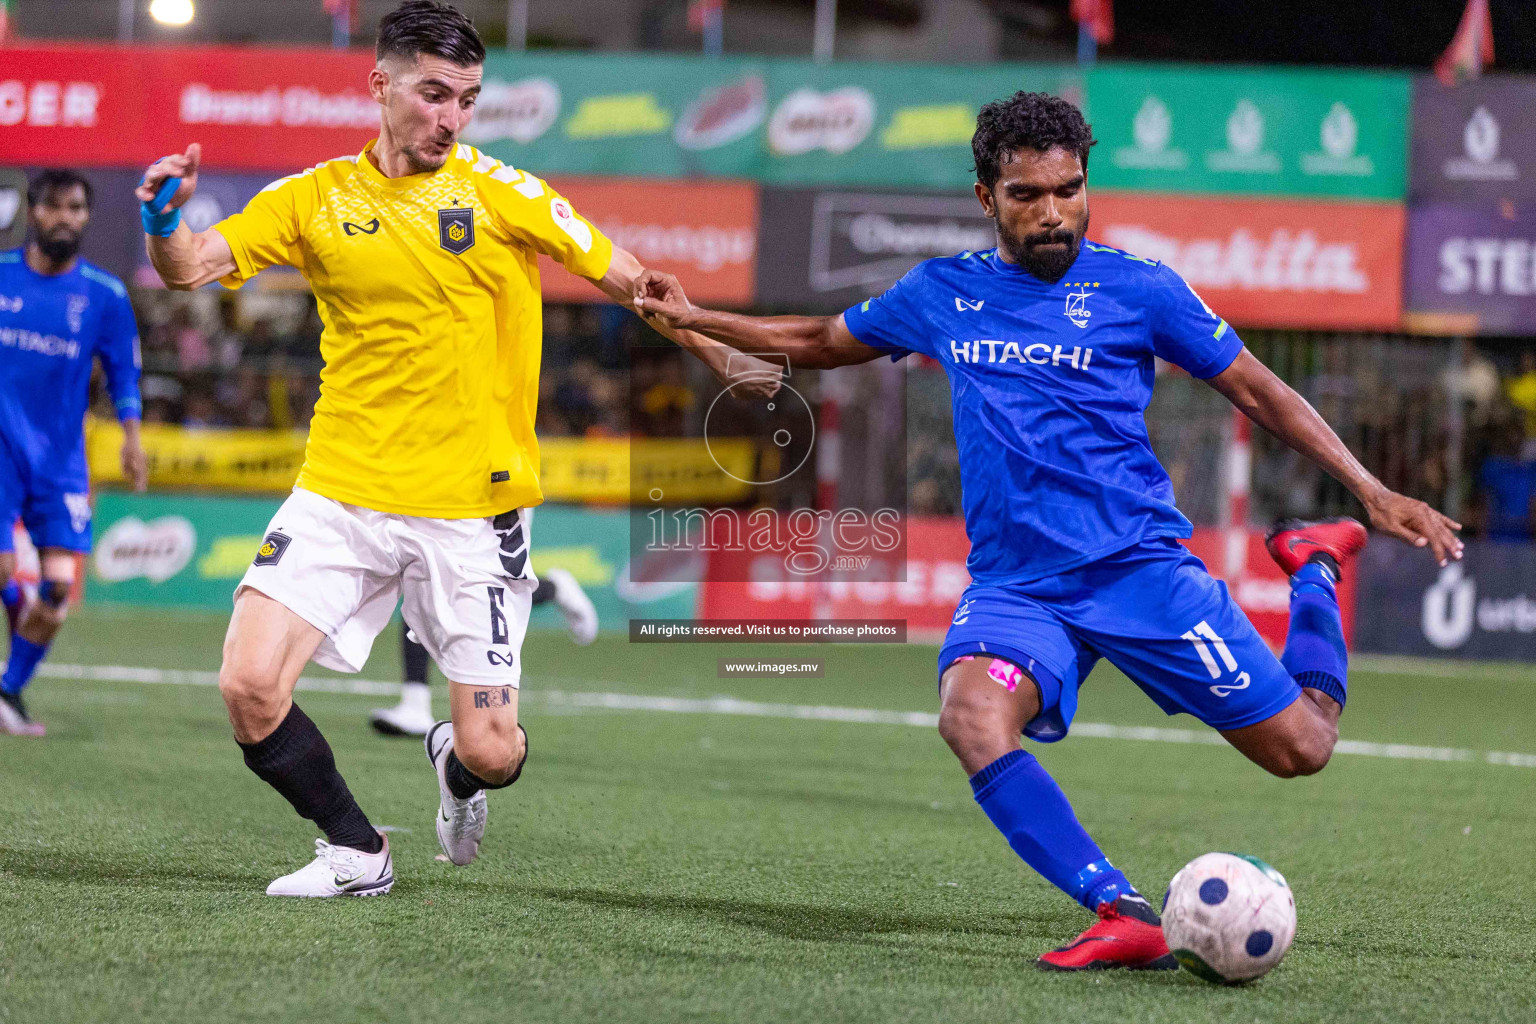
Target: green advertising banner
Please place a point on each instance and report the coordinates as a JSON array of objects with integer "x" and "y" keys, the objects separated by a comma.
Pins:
[
  {"x": 652, "y": 116},
  {"x": 786, "y": 121},
  {"x": 1250, "y": 130},
  {"x": 1166, "y": 128},
  {"x": 190, "y": 550},
  {"x": 889, "y": 125}
]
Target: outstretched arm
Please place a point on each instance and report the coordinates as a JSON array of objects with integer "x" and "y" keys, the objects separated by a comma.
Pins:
[
  {"x": 814, "y": 342},
  {"x": 182, "y": 259},
  {"x": 761, "y": 378},
  {"x": 1273, "y": 405}
]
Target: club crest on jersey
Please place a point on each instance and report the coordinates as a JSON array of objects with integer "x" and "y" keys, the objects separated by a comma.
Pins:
[
  {"x": 1077, "y": 302},
  {"x": 456, "y": 230},
  {"x": 76, "y": 313},
  {"x": 272, "y": 548}
]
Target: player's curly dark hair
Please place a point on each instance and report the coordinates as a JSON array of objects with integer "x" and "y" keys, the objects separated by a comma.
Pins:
[
  {"x": 56, "y": 179},
  {"x": 1026, "y": 120},
  {"x": 425, "y": 26}
]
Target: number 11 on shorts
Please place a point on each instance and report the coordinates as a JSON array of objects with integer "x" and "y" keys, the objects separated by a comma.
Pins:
[{"x": 1198, "y": 636}]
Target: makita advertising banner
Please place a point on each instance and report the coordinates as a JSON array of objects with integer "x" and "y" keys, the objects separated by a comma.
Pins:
[
  {"x": 823, "y": 251},
  {"x": 1268, "y": 263},
  {"x": 1474, "y": 263},
  {"x": 1473, "y": 142},
  {"x": 1257, "y": 262},
  {"x": 1249, "y": 130},
  {"x": 1481, "y": 607}
]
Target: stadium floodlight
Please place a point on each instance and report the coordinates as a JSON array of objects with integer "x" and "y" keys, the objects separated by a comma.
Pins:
[{"x": 171, "y": 12}]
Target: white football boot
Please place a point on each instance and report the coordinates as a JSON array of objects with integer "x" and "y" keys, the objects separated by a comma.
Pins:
[
  {"x": 575, "y": 605},
  {"x": 460, "y": 823},
  {"x": 14, "y": 720},
  {"x": 339, "y": 871},
  {"x": 411, "y": 717}
]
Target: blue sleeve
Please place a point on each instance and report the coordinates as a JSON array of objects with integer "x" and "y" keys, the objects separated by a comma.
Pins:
[
  {"x": 1185, "y": 331},
  {"x": 119, "y": 352},
  {"x": 893, "y": 322}
]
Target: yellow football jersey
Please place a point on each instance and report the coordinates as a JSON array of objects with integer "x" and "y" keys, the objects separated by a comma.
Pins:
[{"x": 429, "y": 289}]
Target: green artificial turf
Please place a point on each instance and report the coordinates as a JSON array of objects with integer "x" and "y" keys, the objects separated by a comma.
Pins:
[{"x": 655, "y": 866}]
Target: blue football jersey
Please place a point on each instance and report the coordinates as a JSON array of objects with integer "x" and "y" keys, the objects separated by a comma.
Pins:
[
  {"x": 51, "y": 328},
  {"x": 1050, "y": 385}
]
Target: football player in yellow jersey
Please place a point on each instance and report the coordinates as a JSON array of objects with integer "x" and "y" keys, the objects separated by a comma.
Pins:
[{"x": 422, "y": 463}]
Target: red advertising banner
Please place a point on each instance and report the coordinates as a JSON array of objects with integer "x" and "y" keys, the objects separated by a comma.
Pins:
[
  {"x": 275, "y": 110},
  {"x": 705, "y": 232},
  {"x": 1269, "y": 262},
  {"x": 936, "y": 577}
]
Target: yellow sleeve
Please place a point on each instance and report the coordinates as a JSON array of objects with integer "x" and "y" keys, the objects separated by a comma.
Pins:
[
  {"x": 266, "y": 232},
  {"x": 541, "y": 218}
]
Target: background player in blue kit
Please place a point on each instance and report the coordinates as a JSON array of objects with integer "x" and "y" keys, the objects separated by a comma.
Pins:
[
  {"x": 57, "y": 314},
  {"x": 1049, "y": 342}
]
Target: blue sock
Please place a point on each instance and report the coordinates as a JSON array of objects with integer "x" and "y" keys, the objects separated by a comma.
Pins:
[
  {"x": 1314, "y": 652},
  {"x": 10, "y": 594},
  {"x": 1032, "y": 813},
  {"x": 24, "y": 658}
]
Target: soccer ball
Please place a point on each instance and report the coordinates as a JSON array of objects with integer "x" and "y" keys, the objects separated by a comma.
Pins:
[{"x": 1228, "y": 917}]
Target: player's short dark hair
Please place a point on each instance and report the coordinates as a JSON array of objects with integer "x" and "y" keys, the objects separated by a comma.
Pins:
[
  {"x": 1026, "y": 120},
  {"x": 426, "y": 26},
  {"x": 56, "y": 179}
]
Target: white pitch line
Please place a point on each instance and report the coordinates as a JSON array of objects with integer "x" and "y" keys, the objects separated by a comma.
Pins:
[{"x": 757, "y": 709}]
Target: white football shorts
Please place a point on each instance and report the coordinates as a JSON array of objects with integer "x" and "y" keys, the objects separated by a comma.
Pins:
[{"x": 467, "y": 583}]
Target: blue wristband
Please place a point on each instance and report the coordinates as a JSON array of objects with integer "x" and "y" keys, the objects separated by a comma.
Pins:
[{"x": 157, "y": 219}]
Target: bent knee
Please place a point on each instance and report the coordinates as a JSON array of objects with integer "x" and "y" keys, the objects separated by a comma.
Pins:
[
  {"x": 1306, "y": 755},
  {"x": 491, "y": 753},
  {"x": 976, "y": 732},
  {"x": 249, "y": 693}
]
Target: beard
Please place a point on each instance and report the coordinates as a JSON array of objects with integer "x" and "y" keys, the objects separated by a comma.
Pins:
[
  {"x": 424, "y": 163},
  {"x": 1039, "y": 256},
  {"x": 60, "y": 246}
]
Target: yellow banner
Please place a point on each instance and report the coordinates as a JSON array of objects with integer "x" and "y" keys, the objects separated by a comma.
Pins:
[
  {"x": 216, "y": 458},
  {"x": 572, "y": 469},
  {"x": 683, "y": 470}
]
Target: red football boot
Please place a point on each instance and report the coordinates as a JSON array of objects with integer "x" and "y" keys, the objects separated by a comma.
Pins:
[
  {"x": 1127, "y": 934},
  {"x": 1291, "y": 542}
]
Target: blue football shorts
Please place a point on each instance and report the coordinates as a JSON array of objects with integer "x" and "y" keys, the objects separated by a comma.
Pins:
[
  {"x": 54, "y": 518},
  {"x": 1153, "y": 611}
]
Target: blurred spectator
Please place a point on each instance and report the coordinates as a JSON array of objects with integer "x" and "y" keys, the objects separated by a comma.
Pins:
[
  {"x": 573, "y": 396},
  {"x": 1522, "y": 395},
  {"x": 228, "y": 342},
  {"x": 1473, "y": 380},
  {"x": 201, "y": 412},
  {"x": 929, "y": 500},
  {"x": 192, "y": 350},
  {"x": 608, "y": 404},
  {"x": 1508, "y": 485},
  {"x": 665, "y": 405},
  {"x": 161, "y": 396}
]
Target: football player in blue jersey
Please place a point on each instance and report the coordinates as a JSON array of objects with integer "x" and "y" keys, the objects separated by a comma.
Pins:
[
  {"x": 58, "y": 314},
  {"x": 1049, "y": 341}
]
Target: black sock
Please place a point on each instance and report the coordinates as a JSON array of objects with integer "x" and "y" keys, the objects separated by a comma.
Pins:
[
  {"x": 296, "y": 761},
  {"x": 415, "y": 657},
  {"x": 545, "y": 591},
  {"x": 464, "y": 783},
  {"x": 1328, "y": 562}
]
